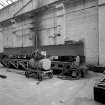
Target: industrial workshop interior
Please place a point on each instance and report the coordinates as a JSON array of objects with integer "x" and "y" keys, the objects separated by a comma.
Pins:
[{"x": 52, "y": 52}]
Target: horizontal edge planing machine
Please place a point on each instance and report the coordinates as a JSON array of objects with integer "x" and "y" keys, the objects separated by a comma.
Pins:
[{"x": 66, "y": 60}]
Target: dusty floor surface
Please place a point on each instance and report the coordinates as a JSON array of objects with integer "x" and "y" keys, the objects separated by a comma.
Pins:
[{"x": 18, "y": 90}]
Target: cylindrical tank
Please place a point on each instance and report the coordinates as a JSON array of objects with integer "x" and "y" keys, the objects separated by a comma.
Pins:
[{"x": 44, "y": 64}]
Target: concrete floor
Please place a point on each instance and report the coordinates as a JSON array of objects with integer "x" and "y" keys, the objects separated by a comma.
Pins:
[{"x": 18, "y": 90}]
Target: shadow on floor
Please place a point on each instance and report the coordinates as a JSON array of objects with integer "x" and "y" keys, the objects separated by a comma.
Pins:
[{"x": 85, "y": 101}]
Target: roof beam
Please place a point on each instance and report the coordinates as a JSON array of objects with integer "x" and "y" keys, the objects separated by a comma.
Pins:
[
  {"x": 11, "y": 0},
  {"x": 22, "y": 8},
  {"x": 7, "y": 2},
  {"x": 2, "y": 3}
]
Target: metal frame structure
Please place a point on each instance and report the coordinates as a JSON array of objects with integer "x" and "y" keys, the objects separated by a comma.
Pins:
[{"x": 4, "y": 3}]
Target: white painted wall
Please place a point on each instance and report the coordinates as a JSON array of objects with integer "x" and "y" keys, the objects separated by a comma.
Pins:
[
  {"x": 1, "y": 42},
  {"x": 101, "y": 1},
  {"x": 18, "y": 34},
  {"x": 79, "y": 25},
  {"x": 81, "y": 21},
  {"x": 82, "y": 24},
  {"x": 51, "y": 23},
  {"x": 102, "y": 35}
]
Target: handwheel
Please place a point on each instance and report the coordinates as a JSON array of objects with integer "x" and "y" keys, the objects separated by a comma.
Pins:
[
  {"x": 50, "y": 75},
  {"x": 8, "y": 64},
  {"x": 76, "y": 74}
]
